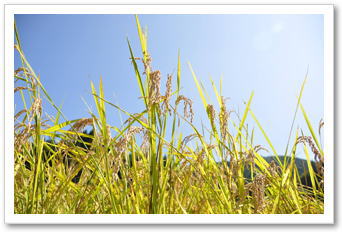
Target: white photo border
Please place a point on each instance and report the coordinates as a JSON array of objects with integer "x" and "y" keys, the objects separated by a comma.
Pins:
[{"x": 326, "y": 218}]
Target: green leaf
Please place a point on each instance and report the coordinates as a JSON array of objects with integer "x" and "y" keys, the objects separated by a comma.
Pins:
[{"x": 199, "y": 88}]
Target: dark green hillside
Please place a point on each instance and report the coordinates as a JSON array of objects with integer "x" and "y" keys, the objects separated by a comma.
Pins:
[{"x": 301, "y": 165}]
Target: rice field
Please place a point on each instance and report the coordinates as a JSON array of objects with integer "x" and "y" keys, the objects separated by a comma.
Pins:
[{"x": 147, "y": 166}]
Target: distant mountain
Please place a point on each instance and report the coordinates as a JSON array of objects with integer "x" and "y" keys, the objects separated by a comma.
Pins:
[{"x": 301, "y": 164}]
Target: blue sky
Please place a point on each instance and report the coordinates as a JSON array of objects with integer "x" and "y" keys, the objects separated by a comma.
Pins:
[{"x": 267, "y": 54}]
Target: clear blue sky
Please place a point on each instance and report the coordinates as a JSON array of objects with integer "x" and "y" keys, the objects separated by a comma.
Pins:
[{"x": 265, "y": 53}]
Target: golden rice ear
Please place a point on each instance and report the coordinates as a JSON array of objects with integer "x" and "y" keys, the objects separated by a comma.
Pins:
[
  {"x": 211, "y": 114},
  {"x": 154, "y": 96},
  {"x": 82, "y": 123},
  {"x": 223, "y": 119},
  {"x": 147, "y": 60},
  {"x": 309, "y": 140},
  {"x": 17, "y": 115},
  {"x": 167, "y": 96},
  {"x": 186, "y": 140},
  {"x": 16, "y": 89},
  {"x": 258, "y": 192},
  {"x": 37, "y": 106},
  {"x": 188, "y": 112}
]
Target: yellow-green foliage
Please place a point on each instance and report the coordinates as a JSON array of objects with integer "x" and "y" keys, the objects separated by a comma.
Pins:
[{"x": 157, "y": 175}]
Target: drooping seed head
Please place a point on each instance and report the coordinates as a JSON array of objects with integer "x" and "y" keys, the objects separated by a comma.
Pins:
[
  {"x": 223, "y": 116},
  {"x": 82, "y": 123},
  {"x": 167, "y": 94},
  {"x": 154, "y": 88},
  {"x": 188, "y": 112},
  {"x": 37, "y": 107},
  {"x": 211, "y": 114}
]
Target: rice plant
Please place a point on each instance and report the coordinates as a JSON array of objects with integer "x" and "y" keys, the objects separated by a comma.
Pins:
[{"x": 147, "y": 166}]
